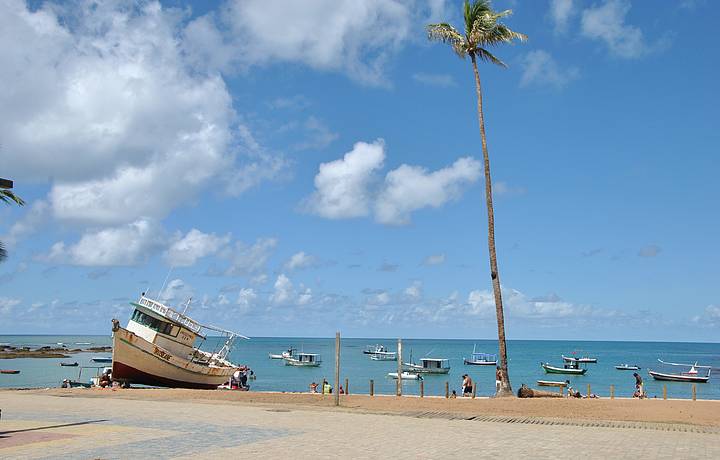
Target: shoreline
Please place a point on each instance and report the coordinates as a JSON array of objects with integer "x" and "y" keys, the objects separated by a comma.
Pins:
[{"x": 672, "y": 411}]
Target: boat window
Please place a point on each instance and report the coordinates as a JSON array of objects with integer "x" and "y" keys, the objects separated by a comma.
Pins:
[{"x": 155, "y": 324}]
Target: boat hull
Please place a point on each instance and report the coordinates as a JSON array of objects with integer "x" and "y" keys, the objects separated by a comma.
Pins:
[
  {"x": 423, "y": 370},
  {"x": 470, "y": 362},
  {"x": 627, "y": 368},
  {"x": 569, "y": 359},
  {"x": 558, "y": 370},
  {"x": 289, "y": 362},
  {"x": 135, "y": 360},
  {"x": 678, "y": 378}
]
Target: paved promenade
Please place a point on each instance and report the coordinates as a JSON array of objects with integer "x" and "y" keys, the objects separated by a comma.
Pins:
[{"x": 39, "y": 426}]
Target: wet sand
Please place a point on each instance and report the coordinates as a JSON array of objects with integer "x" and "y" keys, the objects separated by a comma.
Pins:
[{"x": 701, "y": 412}]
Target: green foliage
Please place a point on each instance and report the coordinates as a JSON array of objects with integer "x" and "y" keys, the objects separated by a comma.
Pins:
[
  {"x": 7, "y": 197},
  {"x": 483, "y": 29}
]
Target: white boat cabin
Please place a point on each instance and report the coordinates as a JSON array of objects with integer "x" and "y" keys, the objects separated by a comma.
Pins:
[
  {"x": 164, "y": 327},
  {"x": 434, "y": 364},
  {"x": 308, "y": 358}
]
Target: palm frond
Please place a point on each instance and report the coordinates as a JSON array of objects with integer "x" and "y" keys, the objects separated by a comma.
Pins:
[
  {"x": 7, "y": 197},
  {"x": 486, "y": 55},
  {"x": 472, "y": 11},
  {"x": 446, "y": 33}
]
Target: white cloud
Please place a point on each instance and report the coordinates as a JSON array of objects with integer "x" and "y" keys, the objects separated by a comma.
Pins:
[
  {"x": 540, "y": 68},
  {"x": 128, "y": 244},
  {"x": 414, "y": 292},
  {"x": 442, "y": 80},
  {"x": 409, "y": 188},
  {"x": 7, "y": 304},
  {"x": 250, "y": 260},
  {"x": 342, "y": 186},
  {"x": 606, "y": 22},
  {"x": 347, "y": 36},
  {"x": 299, "y": 261},
  {"x": 560, "y": 12},
  {"x": 283, "y": 292},
  {"x": 317, "y": 135},
  {"x": 169, "y": 132},
  {"x": 176, "y": 291},
  {"x": 434, "y": 259},
  {"x": 28, "y": 223},
  {"x": 247, "y": 298},
  {"x": 501, "y": 188},
  {"x": 186, "y": 250}
]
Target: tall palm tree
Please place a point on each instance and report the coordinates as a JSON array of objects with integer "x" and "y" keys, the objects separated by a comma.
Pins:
[
  {"x": 483, "y": 29},
  {"x": 8, "y": 197}
]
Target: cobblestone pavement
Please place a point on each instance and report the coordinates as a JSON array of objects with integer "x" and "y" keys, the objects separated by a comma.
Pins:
[{"x": 38, "y": 426}]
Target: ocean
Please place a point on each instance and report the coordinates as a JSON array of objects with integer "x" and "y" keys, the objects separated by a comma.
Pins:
[{"x": 525, "y": 357}]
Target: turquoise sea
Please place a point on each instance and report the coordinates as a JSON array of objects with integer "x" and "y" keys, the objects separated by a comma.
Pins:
[{"x": 524, "y": 363}]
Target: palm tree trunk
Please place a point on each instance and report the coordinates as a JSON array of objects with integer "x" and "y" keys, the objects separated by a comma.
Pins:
[{"x": 505, "y": 388}]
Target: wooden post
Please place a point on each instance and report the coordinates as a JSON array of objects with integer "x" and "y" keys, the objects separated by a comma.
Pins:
[
  {"x": 399, "y": 368},
  {"x": 372, "y": 387},
  {"x": 422, "y": 389},
  {"x": 447, "y": 389},
  {"x": 588, "y": 393},
  {"x": 665, "y": 392},
  {"x": 337, "y": 368},
  {"x": 347, "y": 387},
  {"x": 474, "y": 389},
  {"x": 694, "y": 391},
  {"x": 612, "y": 391}
]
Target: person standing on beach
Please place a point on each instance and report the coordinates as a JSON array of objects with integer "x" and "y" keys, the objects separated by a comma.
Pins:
[
  {"x": 467, "y": 385},
  {"x": 639, "y": 387},
  {"x": 498, "y": 379}
]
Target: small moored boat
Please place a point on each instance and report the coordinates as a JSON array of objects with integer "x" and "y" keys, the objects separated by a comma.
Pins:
[
  {"x": 304, "y": 360},
  {"x": 285, "y": 354},
  {"x": 429, "y": 366},
  {"x": 627, "y": 367},
  {"x": 372, "y": 349},
  {"x": 384, "y": 356},
  {"x": 480, "y": 359},
  {"x": 405, "y": 376},
  {"x": 572, "y": 369},
  {"x": 692, "y": 375},
  {"x": 584, "y": 359},
  {"x": 9, "y": 371},
  {"x": 551, "y": 383},
  {"x": 75, "y": 364},
  {"x": 101, "y": 359}
]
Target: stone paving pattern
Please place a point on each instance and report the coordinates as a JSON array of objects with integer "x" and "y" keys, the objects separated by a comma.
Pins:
[{"x": 37, "y": 426}]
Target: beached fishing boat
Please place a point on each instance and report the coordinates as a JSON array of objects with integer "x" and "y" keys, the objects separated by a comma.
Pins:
[
  {"x": 304, "y": 360},
  {"x": 571, "y": 368},
  {"x": 101, "y": 359},
  {"x": 584, "y": 359},
  {"x": 480, "y": 359},
  {"x": 693, "y": 375},
  {"x": 159, "y": 348},
  {"x": 627, "y": 367},
  {"x": 429, "y": 366},
  {"x": 405, "y": 376}
]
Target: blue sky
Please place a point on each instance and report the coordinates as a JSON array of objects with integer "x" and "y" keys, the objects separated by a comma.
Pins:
[{"x": 303, "y": 169}]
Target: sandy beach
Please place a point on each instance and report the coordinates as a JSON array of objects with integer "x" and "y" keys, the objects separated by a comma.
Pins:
[{"x": 138, "y": 423}]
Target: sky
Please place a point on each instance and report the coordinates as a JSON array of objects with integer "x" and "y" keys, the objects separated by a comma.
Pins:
[{"x": 301, "y": 168}]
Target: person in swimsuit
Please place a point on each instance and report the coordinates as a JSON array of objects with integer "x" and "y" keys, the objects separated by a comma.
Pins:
[{"x": 467, "y": 385}]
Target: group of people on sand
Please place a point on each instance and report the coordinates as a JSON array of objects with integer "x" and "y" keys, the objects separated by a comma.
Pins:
[
  {"x": 325, "y": 388},
  {"x": 239, "y": 379},
  {"x": 468, "y": 384}
]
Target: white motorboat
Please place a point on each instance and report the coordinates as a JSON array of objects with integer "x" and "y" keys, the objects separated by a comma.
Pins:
[
  {"x": 627, "y": 367},
  {"x": 304, "y": 360},
  {"x": 384, "y": 356},
  {"x": 285, "y": 354},
  {"x": 429, "y": 366},
  {"x": 692, "y": 375},
  {"x": 372, "y": 349},
  {"x": 405, "y": 376},
  {"x": 159, "y": 348}
]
